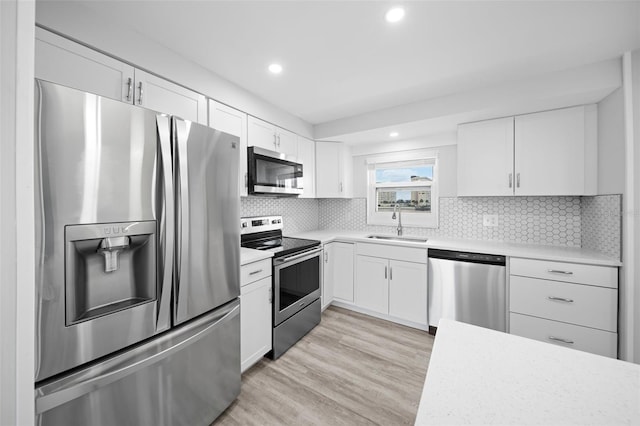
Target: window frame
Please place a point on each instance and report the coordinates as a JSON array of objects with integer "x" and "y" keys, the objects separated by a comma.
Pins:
[{"x": 411, "y": 219}]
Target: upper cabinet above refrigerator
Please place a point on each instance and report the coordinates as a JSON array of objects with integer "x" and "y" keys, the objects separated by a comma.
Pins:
[
  {"x": 62, "y": 61},
  {"x": 545, "y": 153}
]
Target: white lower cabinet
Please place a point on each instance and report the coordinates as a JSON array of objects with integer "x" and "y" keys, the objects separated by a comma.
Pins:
[
  {"x": 255, "y": 312},
  {"x": 408, "y": 291},
  {"x": 337, "y": 277},
  {"x": 567, "y": 304},
  {"x": 396, "y": 289},
  {"x": 563, "y": 334},
  {"x": 372, "y": 283}
]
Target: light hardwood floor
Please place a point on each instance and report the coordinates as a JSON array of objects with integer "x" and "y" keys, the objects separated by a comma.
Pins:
[{"x": 351, "y": 369}]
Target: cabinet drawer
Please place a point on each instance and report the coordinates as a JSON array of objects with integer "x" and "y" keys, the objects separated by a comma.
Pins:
[
  {"x": 603, "y": 276},
  {"x": 255, "y": 271},
  {"x": 408, "y": 254},
  {"x": 582, "y": 338},
  {"x": 579, "y": 304}
]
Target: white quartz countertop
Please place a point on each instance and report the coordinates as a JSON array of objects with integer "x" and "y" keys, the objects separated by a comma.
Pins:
[
  {"x": 532, "y": 251},
  {"x": 482, "y": 376},
  {"x": 248, "y": 255}
]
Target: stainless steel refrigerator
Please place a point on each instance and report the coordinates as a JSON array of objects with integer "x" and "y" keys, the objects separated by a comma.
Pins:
[{"x": 137, "y": 281}]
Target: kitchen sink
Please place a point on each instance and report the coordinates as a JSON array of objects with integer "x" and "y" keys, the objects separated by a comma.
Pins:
[{"x": 398, "y": 238}]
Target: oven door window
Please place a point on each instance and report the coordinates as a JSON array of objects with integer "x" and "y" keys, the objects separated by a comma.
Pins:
[
  {"x": 275, "y": 173},
  {"x": 299, "y": 280}
]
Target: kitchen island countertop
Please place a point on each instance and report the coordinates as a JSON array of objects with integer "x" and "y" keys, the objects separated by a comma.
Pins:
[{"x": 482, "y": 376}]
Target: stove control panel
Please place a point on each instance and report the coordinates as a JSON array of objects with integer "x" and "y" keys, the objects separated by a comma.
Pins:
[{"x": 251, "y": 225}]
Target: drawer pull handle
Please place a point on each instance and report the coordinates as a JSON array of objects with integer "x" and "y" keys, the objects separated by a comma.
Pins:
[
  {"x": 555, "y": 271},
  {"x": 561, "y": 340},
  {"x": 560, "y": 299},
  {"x": 255, "y": 272}
]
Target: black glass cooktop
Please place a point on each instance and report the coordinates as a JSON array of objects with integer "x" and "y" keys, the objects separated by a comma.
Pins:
[{"x": 281, "y": 246}]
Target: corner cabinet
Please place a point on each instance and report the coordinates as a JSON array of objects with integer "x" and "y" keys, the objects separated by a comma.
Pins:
[
  {"x": 337, "y": 273},
  {"x": 65, "y": 62},
  {"x": 267, "y": 136},
  {"x": 546, "y": 153},
  {"x": 391, "y": 281},
  {"x": 234, "y": 122},
  {"x": 334, "y": 170},
  {"x": 255, "y": 312}
]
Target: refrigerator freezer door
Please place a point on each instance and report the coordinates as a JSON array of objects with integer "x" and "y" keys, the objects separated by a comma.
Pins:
[
  {"x": 97, "y": 165},
  {"x": 207, "y": 271},
  {"x": 187, "y": 376}
]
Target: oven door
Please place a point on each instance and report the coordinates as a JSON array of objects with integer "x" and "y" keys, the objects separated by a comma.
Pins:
[
  {"x": 273, "y": 173},
  {"x": 296, "y": 283}
]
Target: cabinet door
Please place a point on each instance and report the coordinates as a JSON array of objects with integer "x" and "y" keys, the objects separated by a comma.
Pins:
[
  {"x": 62, "y": 61},
  {"x": 163, "y": 96},
  {"x": 341, "y": 258},
  {"x": 262, "y": 134},
  {"x": 328, "y": 180},
  {"x": 485, "y": 158},
  {"x": 255, "y": 321},
  {"x": 234, "y": 122},
  {"x": 307, "y": 156},
  {"x": 408, "y": 291},
  {"x": 287, "y": 143},
  {"x": 550, "y": 153},
  {"x": 372, "y": 284}
]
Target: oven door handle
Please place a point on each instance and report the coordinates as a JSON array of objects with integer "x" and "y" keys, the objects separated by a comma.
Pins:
[{"x": 298, "y": 256}]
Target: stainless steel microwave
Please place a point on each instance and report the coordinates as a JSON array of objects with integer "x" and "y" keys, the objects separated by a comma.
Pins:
[{"x": 273, "y": 173}]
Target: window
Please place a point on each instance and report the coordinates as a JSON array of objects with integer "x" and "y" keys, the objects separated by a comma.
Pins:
[{"x": 409, "y": 186}]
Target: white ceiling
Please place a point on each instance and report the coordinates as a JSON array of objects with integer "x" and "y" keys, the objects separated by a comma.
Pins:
[{"x": 341, "y": 59}]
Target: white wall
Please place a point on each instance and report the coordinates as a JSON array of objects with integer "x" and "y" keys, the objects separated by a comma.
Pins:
[
  {"x": 16, "y": 213},
  {"x": 73, "y": 20},
  {"x": 442, "y": 145},
  {"x": 611, "y": 144},
  {"x": 630, "y": 272}
]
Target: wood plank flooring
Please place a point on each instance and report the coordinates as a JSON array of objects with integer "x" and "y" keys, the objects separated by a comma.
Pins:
[{"x": 351, "y": 369}]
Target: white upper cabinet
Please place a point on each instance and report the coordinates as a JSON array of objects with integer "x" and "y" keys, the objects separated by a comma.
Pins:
[
  {"x": 334, "y": 168},
  {"x": 163, "y": 96},
  {"x": 64, "y": 62},
  {"x": 485, "y": 157},
  {"x": 307, "y": 156},
  {"x": 234, "y": 122},
  {"x": 546, "y": 153},
  {"x": 267, "y": 136},
  {"x": 556, "y": 152}
]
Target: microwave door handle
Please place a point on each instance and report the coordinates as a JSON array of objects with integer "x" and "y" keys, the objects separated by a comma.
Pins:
[
  {"x": 181, "y": 136},
  {"x": 166, "y": 241}
]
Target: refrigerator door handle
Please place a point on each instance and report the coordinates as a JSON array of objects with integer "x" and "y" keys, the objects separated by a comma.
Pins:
[
  {"x": 167, "y": 225},
  {"x": 83, "y": 382},
  {"x": 181, "y": 134}
]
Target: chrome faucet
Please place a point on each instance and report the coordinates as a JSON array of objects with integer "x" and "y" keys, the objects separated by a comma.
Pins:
[{"x": 399, "y": 228}]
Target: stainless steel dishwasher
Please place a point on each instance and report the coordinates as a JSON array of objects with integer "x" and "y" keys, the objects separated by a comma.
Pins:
[{"x": 467, "y": 287}]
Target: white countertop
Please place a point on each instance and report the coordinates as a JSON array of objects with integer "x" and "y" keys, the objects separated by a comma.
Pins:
[
  {"x": 248, "y": 255},
  {"x": 482, "y": 376},
  {"x": 532, "y": 251}
]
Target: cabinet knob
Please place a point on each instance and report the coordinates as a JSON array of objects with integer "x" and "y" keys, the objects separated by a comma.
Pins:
[{"x": 510, "y": 180}]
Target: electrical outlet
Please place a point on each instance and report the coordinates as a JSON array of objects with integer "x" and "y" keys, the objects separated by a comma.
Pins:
[{"x": 489, "y": 220}]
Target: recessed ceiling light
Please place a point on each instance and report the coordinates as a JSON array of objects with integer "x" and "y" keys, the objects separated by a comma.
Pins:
[
  {"x": 394, "y": 134},
  {"x": 394, "y": 14},
  {"x": 275, "y": 68}
]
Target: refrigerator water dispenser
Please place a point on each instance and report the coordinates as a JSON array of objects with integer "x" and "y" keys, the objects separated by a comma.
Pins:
[{"x": 109, "y": 267}]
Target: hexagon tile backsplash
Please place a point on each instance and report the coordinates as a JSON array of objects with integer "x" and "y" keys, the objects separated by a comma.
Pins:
[{"x": 590, "y": 222}]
